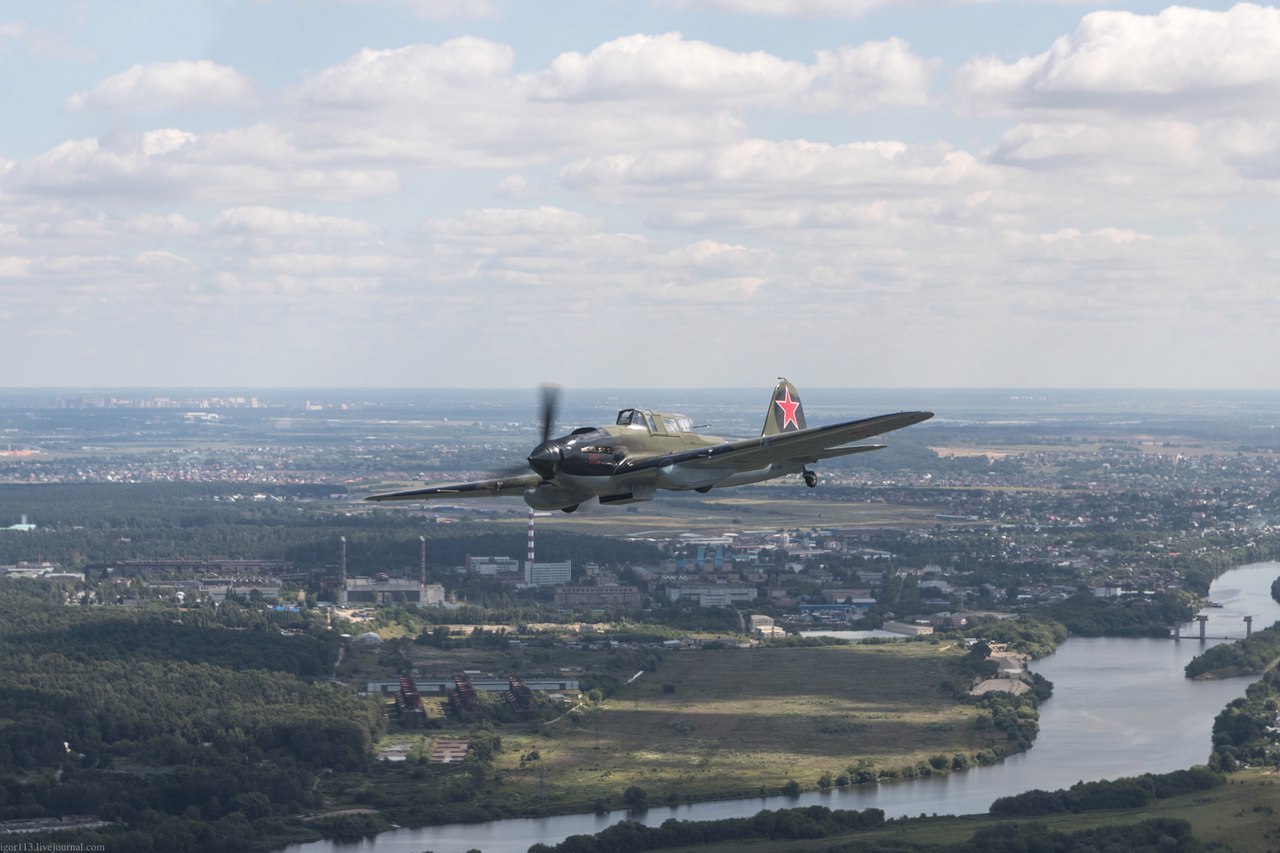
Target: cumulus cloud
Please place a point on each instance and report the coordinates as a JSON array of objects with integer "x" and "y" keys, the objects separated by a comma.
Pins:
[
  {"x": 413, "y": 74},
  {"x": 665, "y": 66},
  {"x": 462, "y": 104},
  {"x": 655, "y": 172},
  {"x": 172, "y": 163},
  {"x": 513, "y": 186},
  {"x": 69, "y": 223},
  {"x": 309, "y": 265},
  {"x": 160, "y": 261},
  {"x": 1180, "y": 60},
  {"x": 761, "y": 169},
  {"x": 671, "y": 68},
  {"x": 168, "y": 85},
  {"x": 258, "y": 221},
  {"x": 538, "y": 222},
  {"x": 872, "y": 74},
  {"x": 343, "y": 131}
]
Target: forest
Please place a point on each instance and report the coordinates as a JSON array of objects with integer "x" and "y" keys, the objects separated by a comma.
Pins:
[
  {"x": 1243, "y": 733},
  {"x": 197, "y": 730}
]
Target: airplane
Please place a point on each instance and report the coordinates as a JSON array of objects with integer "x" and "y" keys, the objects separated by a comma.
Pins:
[{"x": 643, "y": 451}]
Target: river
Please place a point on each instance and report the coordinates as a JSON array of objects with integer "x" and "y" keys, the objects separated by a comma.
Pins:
[{"x": 1119, "y": 708}]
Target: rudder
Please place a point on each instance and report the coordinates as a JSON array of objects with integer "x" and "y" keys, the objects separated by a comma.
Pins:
[{"x": 785, "y": 412}]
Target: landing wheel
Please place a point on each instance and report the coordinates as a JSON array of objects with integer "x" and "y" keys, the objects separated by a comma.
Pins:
[
  {"x": 810, "y": 478},
  {"x": 569, "y": 508}
]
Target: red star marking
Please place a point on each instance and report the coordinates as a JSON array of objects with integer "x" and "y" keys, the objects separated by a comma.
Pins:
[{"x": 788, "y": 407}]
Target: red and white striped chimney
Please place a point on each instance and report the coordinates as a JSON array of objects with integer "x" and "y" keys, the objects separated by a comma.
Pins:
[{"x": 530, "y": 563}]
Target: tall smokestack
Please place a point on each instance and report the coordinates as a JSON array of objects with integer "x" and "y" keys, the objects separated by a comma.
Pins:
[
  {"x": 422, "y": 560},
  {"x": 342, "y": 562},
  {"x": 530, "y": 559}
]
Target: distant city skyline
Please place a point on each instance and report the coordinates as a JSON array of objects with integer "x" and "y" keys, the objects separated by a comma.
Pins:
[{"x": 659, "y": 193}]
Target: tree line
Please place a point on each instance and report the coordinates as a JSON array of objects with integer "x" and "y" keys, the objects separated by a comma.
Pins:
[
  {"x": 631, "y": 836},
  {"x": 1125, "y": 793},
  {"x": 191, "y": 734}
]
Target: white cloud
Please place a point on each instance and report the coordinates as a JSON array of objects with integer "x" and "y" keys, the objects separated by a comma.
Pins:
[
  {"x": 461, "y": 104},
  {"x": 176, "y": 164},
  {"x": 1180, "y": 60},
  {"x": 667, "y": 66},
  {"x": 673, "y": 70},
  {"x": 156, "y": 261},
  {"x": 257, "y": 221},
  {"x": 513, "y": 186},
  {"x": 774, "y": 182},
  {"x": 60, "y": 222},
  {"x": 168, "y": 85},
  {"x": 454, "y": 70},
  {"x": 535, "y": 222},
  {"x": 796, "y": 196},
  {"x": 869, "y": 75},
  {"x": 309, "y": 265}
]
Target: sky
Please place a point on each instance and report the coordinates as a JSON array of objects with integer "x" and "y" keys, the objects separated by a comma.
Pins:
[{"x": 639, "y": 193}]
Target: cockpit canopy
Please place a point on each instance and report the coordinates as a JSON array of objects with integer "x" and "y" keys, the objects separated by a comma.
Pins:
[{"x": 657, "y": 423}]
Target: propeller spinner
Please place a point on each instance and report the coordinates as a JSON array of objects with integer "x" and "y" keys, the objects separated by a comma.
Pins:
[{"x": 547, "y": 456}]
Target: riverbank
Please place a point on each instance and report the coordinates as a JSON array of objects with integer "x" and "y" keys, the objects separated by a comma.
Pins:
[
  {"x": 1114, "y": 705},
  {"x": 722, "y": 725}
]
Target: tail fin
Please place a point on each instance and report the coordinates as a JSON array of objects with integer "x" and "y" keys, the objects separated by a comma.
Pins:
[{"x": 785, "y": 412}]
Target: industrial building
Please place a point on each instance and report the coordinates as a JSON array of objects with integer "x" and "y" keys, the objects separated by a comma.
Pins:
[
  {"x": 598, "y": 596},
  {"x": 385, "y": 590},
  {"x": 712, "y": 596}
]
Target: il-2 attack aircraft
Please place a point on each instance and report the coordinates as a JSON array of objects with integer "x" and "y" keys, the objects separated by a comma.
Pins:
[{"x": 643, "y": 451}]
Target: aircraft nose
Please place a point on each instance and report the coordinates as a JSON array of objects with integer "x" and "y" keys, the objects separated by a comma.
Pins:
[{"x": 545, "y": 458}]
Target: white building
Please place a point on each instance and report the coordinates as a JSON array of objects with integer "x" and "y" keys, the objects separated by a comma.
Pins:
[
  {"x": 492, "y": 566},
  {"x": 547, "y": 574}
]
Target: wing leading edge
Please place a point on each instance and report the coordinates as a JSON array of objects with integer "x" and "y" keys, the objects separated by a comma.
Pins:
[
  {"x": 501, "y": 487},
  {"x": 806, "y": 446}
]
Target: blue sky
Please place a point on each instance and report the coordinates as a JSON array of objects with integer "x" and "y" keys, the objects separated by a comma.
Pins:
[{"x": 692, "y": 193}]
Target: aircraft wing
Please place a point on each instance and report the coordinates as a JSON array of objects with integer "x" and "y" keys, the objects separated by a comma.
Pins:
[
  {"x": 802, "y": 446},
  {"x": 497, "y": 488}
]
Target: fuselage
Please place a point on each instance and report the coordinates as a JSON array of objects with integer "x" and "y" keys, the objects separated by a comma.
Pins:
[{"x": 616, "y": 463}]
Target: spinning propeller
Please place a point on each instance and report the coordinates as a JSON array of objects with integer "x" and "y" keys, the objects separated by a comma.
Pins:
[{"x": 547, "y": 456}]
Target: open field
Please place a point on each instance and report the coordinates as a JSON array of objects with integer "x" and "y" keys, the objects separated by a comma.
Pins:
[
  {"x": 1242, "y": 815},
  {"x": 729, "y": 723}
]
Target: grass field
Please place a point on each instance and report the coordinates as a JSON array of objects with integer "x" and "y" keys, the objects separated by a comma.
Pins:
[{"x": 735, "y": 721}]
